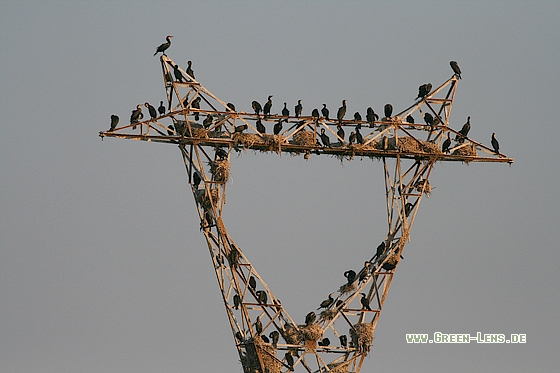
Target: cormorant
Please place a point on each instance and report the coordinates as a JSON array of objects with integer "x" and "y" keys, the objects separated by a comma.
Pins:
[
  {"x": 388, "y": 110},
  {"x": 267, "y": 106},
  {"x": 365, "y": 302},
  {"x": 350, "y": 276},
  {"x": 136, "y": 115},
  {"x": 325, "y": 111},
  {"x": 289, "y": 360},
  {"x": 380, "y": 250},
  {"x": 258, "y": 326},
  {"x": 222, "y": 154},
  {"x": 274, "y": 336},
  {"x": 231, "y": 106},
  {"x": 371, "y": 117},
  {"x": 343, "y": 340},
  {"x": 327, "y": 302},
  {"x": 265, "y": 339},
  {"x": 239, "y": 336},
  {"x": 262, "y": 297},
  {"x": 408, "y": 208},
  {"x": 195, "y": 104},
  {"x": 114, "y": 122},
  {"x": 340, "y": 132},
  {"x": 190, "y": 71},
  {"x": 257, "y": 107},
  {"x": 285, "y": 111},
  {"x": 359, "y": 137},
  {"x": 357, "y": 117},
  {"x": 196, "y": 182},
  {"x": 236, "y": 300},
  {"x": 240, "y": 128},
  {"x": 252, "y": 282},
  {"x": 352, "y": 137},
  {"x": 170, "y": 130},
  {"x": 324, "y": 342},
  {"x": 298, "y": 108},
  {"x": 260, "y": 127},
  {"x": 365, "y": 272},
  {"x": 310, "y": 318},
  {"x": 495, "y": 144},
  {"x": 341, "y": 112},
  {"x": 278, "y": 127},
  {"x": 151, "y": 110},
  {"x": 429, "y": 119},
  {"x": 178, "y": 74},
  {"x": 162, "y": 48},
  {"x": 410, "y": 119},
  {"x": 325, "y": 139},
  {"x": 464, "y": 131},
  {"x": 208, "y": 121},
  {"x": 446, "y": 144},
  {"x": 424, "y": 89},
  {"x": 161, "y": 108},
  {"x": 315, "y": 114},
  {"x": 388, "y": 266},
  {"x": 455, "y": 66}
]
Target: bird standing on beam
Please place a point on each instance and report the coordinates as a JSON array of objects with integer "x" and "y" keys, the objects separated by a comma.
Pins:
[
  {"x": 162, "y": 48},
  {"x": 455, "y": 67}
]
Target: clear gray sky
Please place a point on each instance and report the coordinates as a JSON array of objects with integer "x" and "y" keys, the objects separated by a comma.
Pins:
[{"x": 102, "y": 264}]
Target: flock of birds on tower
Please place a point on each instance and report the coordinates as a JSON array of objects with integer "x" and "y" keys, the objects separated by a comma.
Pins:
[{"x": 354, "y": 137}]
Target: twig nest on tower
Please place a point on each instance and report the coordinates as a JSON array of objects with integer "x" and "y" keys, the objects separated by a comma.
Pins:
[
  {"x": 328, "y": 314},
  {"x": 362, "y": 336},
  {"x": 407, "y": 144},
  {"x": 312, "y": 332},
  {"x": 204, "y": 199},
  {"x": 246, "y": 139},
  {"x": 250, "y": 361},
  {"x": 274, "y": 142},
  {"x": 220, "y": 170},
  {"x": 391, "y": 262},
  {"x": 346, "y": 288},
  {"x": 339, "y": 367},
  {"x": 291, "y": 334},
  {"x": 304, "y": 138},
  {"x": 466, "y": 151}
]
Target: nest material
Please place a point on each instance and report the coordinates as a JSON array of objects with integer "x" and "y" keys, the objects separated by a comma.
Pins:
[
  {"x": 201, "y": 133},
  {"x": 312, "y": 332},
  {"x": 291, "y": 334},
  {"x": 220, "y": 170},
  {"x": 339, "y": 367},
  {"x": 391, "y": 262},
  {"x": 407, "y": 144},
  {"x": 204, "y": 199},
  {"x": 468, "y": 150},
  {"x": 346, "y": 288},
  {"x": 328, "y": 314},
  {"x": 251, "y": 363},
  {"x": 362, "y": 336},
  {"x": 246, "y": 139},
  {"x": 274, "y": 142},
  {"x": 304, "y": 138}
]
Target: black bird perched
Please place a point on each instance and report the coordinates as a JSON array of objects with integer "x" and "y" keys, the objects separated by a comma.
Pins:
[
  {"x": 455, "y": 67},
  {"x": 260, "y": 127},
  {"x": 446, "y": 144},
  {"x": 352, "y": 137},
  {"x": 429, "y": 119},
  {"x": 195, "y": 104},
  {"x": 464, "y": 131},
  {"x": 257, "y": 107},
  {"x": 170, "y": 130},
  {"x": 239, "y": 336},
  {"x": 327, "y": 302},
  {"x": 190, "y": 71},
  {"x": 357, "y": 117},
  {"x": 278, "y": 127},
  {"x": 258, "y": 326},
  {"x": 324, "y": 342},
  {"x": 350, "y": 276},
  {"x": 196, "y": 182},
  {"x": 495, "y": 144},
  {"x": 380, "y": 250},
  {"x": 178, "y": 74},
  {"x": 325, "y": 111},
  {"x": 315, "y": 114},
  {"x": 408, "y": 208},
  {"x": 265, "y": 339},
  {"x": 161, "y": 108},
  {"x": 340, "y": 132},
  {"x": 274, "y": 336},
  {"x": 222, "y": 154},
  {"x": 114, "y": 122},
  {"x": 410, "y": 119},
  {"x": 236, "y": 300},
  {"x": 208, "y": 121},
  {"x": 365, "y": 272},
  {"x": 388, "y": 110},
  {"x": 289, "y": 360},
  {"x": 267, "y": 106},
  {"x": 151, "y": 110},
  {"x": 365, "y": 302},
  {"x": 310, "y": 318},
  {"x": 371, "y": 117},
  {"x": 252, "y": 282},
  {"x": 262, "y": 297},
  {"x": 325, "y": 139},
  {"x": 359, "y": 137},
  {"x": 341, "y": 112},
  {"x": 240, "y": 128},
  {"x": 136, "y": 115},
  {"x": 298, "y": 108},
  {"x": 285, "y": 111},
  {"x": 162, "y": 48},
  {"x": 343, "y": 340},
  {"x": 231, "y": 106},
  {"x": 424, "y": 89}
]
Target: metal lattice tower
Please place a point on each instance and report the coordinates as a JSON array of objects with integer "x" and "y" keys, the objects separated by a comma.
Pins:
[{"x": 338, "y": 338}]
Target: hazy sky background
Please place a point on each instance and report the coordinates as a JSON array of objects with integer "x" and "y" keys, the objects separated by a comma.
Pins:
[{"x": 102, "y": 264}]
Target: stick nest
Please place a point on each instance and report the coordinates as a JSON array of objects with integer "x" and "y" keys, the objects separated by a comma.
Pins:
[
  {"x": 303, "y": 138},
  {"x": 312, "y": 332},
  {"x": 410, "y": 145},
  {"x": 246, "y": 139},
  {"x": 328, "y": 314},
  {"x": 220, "y": 170},
  {"x": 252, "y": 364},
  {"x": 468, "y": 150},
  {"x": 274, "y": 142},
  {"x": 346, "y": 288},
  {"x": 339, "y": 367},
  {"x": 291, "y": 334},
  {"x": 204, "y": 200},
  {"x": 362, "y": 336}
]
